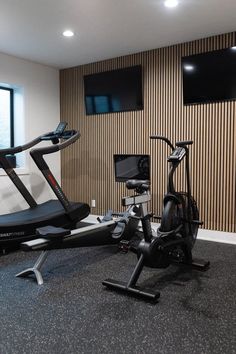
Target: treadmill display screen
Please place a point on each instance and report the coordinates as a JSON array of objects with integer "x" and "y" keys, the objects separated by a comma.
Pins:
[{"x": 132, "y": 167}]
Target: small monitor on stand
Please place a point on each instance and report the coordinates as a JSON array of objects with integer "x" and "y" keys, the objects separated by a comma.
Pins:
[{"x": 132, "y": 167}]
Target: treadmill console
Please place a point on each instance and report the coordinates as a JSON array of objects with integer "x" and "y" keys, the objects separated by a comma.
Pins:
[
  {"x": 56, "y": 134},
  {"x": 60, "y": 128}
]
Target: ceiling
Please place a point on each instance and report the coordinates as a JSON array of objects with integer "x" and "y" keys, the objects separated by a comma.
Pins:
[{"x": 32, "y": 29}]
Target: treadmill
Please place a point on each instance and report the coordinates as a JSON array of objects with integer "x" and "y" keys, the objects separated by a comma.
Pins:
[{"x": 21, "y": 226}]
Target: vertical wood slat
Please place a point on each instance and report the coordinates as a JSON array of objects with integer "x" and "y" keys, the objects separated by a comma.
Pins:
[{"x": 87, "y": 166}]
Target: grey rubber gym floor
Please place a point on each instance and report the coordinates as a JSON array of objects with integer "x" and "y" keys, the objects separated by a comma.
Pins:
[{"x": 73, "y": 313}]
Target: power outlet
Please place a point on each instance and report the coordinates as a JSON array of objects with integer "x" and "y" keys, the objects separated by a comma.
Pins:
[{"x": 93, "y": 203}]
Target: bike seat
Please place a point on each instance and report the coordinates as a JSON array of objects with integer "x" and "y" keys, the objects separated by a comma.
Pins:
[
  {"x": 136, "y": 183},
  {"x": 184, "y": 143}
]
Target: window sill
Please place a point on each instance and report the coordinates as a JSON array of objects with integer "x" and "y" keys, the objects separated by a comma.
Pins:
[{"x": 19, "y": 170}]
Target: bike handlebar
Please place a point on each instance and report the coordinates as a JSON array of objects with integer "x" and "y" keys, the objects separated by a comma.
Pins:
[
  {"x": 166, "y": 140},
  {"x": 183, "y": 143}
]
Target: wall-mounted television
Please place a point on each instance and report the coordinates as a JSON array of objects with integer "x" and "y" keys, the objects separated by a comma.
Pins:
[
  {"x": 114, "y": 91},
  {"x": 209, "y": 77},
  {"x": 131, "y": 167}
]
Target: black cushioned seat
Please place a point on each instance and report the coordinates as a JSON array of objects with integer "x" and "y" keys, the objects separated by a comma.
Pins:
[{"x": 136, "y": 183}]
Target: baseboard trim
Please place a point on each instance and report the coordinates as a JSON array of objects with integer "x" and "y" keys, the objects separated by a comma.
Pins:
[
  {"x": 213, "y": 235},
  {"x": 203, "y": 234},
  {"x": 217, "y": 236}
]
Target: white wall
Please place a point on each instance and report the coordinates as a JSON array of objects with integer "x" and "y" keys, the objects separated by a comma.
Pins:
[{"x": 39, "y": 86}]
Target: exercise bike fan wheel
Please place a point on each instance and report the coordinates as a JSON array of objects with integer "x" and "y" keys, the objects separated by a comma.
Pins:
[{"x": 176, "y": 214}]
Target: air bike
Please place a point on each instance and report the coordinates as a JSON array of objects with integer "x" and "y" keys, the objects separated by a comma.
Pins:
[
  {"x": 114, "y": 228},
  {"x": 21, "y": 226},
  {"x": 175, "y": 238}
]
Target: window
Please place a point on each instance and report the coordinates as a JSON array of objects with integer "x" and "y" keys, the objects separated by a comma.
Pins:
[{"x": 6, "y": 118}]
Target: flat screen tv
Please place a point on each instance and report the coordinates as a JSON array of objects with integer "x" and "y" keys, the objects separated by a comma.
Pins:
[
  {"x": 209, "y": 77},
  {"x": 132, "y": 167},
  {"x": 114, "y": 91}
]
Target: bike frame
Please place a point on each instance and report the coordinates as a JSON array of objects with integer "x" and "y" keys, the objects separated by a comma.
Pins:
[{"x": 171, "y": 191}]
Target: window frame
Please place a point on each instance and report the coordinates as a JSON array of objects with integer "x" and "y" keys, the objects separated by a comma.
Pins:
[{"x": 11, "y": 91}]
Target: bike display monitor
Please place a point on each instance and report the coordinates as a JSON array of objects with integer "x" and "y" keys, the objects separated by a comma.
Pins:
[{"x": 131, "y": 167}]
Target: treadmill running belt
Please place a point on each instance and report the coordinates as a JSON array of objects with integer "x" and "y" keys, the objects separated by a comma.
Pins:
[{"x": 47, "y": 210}]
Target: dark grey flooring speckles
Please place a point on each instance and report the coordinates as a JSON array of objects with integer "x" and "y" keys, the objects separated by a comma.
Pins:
[{"x": 73, "y": 313}]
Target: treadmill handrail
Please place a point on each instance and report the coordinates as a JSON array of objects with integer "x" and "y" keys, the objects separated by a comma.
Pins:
[
  {"x": 37, "y": 156},
  {"x": 67, "y": 138},
  {"x": 20, "y": 148},
  {"x": 44, "y": 150},
  {"x": 51, "y": 135},
  {"x": 5, "y": 164}
]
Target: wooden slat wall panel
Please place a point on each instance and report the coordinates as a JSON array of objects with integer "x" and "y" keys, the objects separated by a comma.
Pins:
[{"x": 87, "y": 167}]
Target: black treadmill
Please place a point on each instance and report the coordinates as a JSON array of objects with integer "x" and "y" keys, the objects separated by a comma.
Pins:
[{"x": 21, "y": 226}]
